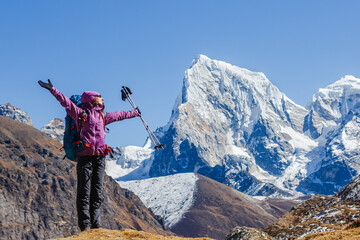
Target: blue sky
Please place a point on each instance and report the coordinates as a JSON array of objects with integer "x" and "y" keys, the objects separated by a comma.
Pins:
[{"x": 147, "y": 45}]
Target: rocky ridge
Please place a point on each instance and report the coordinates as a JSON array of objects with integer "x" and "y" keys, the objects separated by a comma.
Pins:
[
  {"x": 350, "y": 192},
  {"x": 320, "y": 214}
]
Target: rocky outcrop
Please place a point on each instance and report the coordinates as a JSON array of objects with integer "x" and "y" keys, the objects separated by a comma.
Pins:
[
  {"x": 38, "y": 188},
  {"x": 318, "y": 214},
  {"x": 351, "y": 192}
]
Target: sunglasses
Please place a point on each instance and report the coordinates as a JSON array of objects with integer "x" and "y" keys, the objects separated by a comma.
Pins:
[{"x": 96, "y": 96}]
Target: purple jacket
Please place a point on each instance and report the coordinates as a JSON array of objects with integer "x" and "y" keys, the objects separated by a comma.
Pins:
[{"x": 93, "y": 131}]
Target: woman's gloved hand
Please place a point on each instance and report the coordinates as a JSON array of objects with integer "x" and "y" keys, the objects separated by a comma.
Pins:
[
  {"x": 138, "y": 110},
  {"x": 48, "y": 85}
]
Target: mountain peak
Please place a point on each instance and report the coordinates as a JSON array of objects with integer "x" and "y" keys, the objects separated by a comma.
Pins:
[
  {"x": 335, "y": 100},
  {"x": 55, "y": 129},
  {"x": 201, "y": 58},
  {"x": 10, "y": 111},
  {"x": 337, "y": 88},
  {"x": 348, "y": 81},
  {"x": 350, "y": 78},
  {"x": 209, "y": 73}
]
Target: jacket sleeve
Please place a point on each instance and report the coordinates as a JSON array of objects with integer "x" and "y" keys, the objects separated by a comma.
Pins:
[
  {"x": 70, "y": 107},
  {"x": 120, "y": 115}
]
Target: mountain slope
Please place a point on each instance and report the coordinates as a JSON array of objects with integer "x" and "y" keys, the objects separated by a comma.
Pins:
[
  {"x": 224, "y": 208},
  {"x": 194, "y": 206},
  {"x": 37, "y": 190}
]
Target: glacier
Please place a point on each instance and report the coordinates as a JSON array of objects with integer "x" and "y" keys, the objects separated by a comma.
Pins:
[{"x": 168, "y": 196}]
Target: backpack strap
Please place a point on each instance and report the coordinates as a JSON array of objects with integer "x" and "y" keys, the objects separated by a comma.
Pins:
[
  {"x": 103, "y": 114},
  {"x": 82, "y": 119}
]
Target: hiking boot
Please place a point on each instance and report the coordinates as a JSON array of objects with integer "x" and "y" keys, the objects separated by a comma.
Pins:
[{"x": 85, "y": 228}]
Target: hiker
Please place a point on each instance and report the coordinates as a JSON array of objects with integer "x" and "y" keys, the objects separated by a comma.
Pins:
[{"x": 90, "y": 160}]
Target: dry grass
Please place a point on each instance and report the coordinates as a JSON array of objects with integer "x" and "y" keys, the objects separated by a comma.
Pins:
[
  {"x": 127, "y": 234},
  {"x": 351, "y": 234}
]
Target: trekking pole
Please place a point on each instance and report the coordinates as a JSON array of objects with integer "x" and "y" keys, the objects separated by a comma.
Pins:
[{"x": 125, "y": 94}]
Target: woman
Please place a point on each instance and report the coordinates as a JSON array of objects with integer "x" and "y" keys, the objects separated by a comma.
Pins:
[{"x": 90, "y": 160}]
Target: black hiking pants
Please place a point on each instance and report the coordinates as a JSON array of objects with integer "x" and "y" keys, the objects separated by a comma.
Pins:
[{"x": 90, "y": 176}]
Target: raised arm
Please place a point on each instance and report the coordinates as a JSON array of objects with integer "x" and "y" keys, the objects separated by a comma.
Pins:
[
  {"x": 120, "y": 115},
  {"x": 70, "y": 107}
]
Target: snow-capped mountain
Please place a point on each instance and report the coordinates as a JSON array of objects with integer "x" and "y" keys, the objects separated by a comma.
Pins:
[
  {"x": 236, "y": 127},
  {"x": 334, "y": 121},
  {"x": 55, "y": 129},
  {"x": 10, "y": 111}
]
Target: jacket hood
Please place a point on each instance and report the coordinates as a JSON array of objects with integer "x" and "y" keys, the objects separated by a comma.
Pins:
[{"x": 87, "y": 97}]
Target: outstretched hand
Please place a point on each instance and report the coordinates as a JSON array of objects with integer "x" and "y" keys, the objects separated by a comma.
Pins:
[
  {"x": 46, "y": 85},
  {"x": 138, "y": 110}
]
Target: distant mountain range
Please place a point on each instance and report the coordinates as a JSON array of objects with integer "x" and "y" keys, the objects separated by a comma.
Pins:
[{"x": 236, "y": 127}]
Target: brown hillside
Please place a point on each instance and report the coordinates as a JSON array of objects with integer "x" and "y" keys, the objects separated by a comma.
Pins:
[
  {"x": 218, "y": 209},
  {"x": 37, "y": 190}
]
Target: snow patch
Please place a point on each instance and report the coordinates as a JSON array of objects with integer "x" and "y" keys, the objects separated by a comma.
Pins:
[{"x": 129, "y": 159}]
